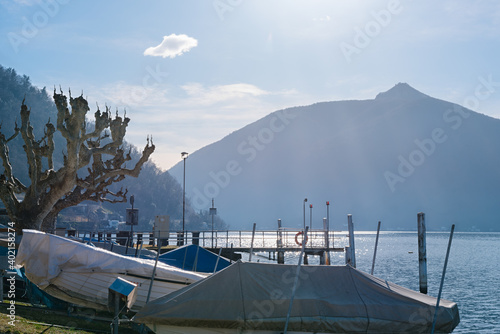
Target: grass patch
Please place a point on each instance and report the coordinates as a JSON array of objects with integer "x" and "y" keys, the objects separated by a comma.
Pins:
[{"x": 35, "y": 320}]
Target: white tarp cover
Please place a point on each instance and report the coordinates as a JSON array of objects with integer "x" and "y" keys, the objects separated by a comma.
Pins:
[
  {"x": 331, "y": 299},
  {"x": 44, "y": 256}
]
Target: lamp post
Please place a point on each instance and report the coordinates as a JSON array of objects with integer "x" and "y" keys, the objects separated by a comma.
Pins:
[
  {"x": 311, "y": 217},
  {"x": 305, "y": 200},
  {"x": 184, "y": 156}
]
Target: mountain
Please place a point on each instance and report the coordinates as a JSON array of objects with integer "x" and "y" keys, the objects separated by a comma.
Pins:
[{"x": 383, "y": 159}]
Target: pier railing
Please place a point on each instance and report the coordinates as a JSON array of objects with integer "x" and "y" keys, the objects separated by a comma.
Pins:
[{"x": 263, "y": 240}]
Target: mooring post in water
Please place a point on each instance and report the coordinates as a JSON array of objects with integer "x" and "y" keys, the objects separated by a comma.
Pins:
[
  {"x": 352, "y": 248},
  {"x": 281, "y": 254},
  {"x": 442, "y": 278},
  {"x": 375, "y": 250},
  {"x": 348, "y": 258},
  {"x": 325, "y": 256},
  {"x": 251, "y": 245},
  {"x": 422, "y": 254}
]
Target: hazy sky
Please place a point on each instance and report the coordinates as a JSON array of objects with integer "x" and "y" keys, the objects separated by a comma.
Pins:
[{"x": 191, "y": 72}]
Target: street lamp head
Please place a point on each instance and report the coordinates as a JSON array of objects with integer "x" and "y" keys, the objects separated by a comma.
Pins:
[{"x": 184, "y": 155}]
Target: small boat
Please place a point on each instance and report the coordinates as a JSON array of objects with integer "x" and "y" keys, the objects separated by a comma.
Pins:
[
  {"x": 194, "y": 258},
  {"x": 81, "y": 274},
  {"x": 255, "y": 298},
  {"x": 124, "y": 250}
]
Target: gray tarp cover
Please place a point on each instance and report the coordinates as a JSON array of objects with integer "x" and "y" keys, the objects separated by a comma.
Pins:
[{"x": 336, "y": 299}]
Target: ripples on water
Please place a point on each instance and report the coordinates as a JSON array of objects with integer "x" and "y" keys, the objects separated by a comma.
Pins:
[{"x": 472, "y": 278}]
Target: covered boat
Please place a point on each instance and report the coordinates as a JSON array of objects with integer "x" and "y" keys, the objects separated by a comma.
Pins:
[
  {"x": 81, "y": 274},
  {"x": 255, "y": 297},
  {"x": 195, "y": 258}
]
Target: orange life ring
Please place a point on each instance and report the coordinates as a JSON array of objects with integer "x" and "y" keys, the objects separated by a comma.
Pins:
[{"x": 297, "y": 241}]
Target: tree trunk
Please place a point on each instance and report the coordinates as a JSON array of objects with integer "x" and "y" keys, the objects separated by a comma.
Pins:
[{"x": 49, "y": 223}]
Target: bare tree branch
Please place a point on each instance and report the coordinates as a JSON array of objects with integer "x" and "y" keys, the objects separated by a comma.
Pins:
[{"x": 52, "y": 190}]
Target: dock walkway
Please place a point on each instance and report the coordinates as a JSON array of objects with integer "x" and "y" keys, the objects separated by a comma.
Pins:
[{"x": 276, "y": 243}]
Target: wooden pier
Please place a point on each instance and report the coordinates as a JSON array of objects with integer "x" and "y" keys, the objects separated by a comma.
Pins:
[{"x": 230, "y": 243}]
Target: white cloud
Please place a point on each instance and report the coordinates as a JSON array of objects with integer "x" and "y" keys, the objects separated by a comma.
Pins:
[{"x": 172, "y": 46}]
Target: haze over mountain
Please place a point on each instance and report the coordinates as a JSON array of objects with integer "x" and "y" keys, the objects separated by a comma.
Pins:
[{"x": 382, "y": 159}]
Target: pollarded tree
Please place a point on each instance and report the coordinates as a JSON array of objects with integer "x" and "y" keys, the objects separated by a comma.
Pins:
[{"x": 37, "y": 205}]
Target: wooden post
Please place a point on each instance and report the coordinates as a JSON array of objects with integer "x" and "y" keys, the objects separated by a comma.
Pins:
[
  {"x": 375, "y": 250},
  {"x": 281, "y": 254},
  {"x": 325, "y": 256},
  {"x": 348, "y": 258},
  {"x": 422, "y": 253},
  {"x": 352, "y": 248},
  {"x": 231, "y": 254}
]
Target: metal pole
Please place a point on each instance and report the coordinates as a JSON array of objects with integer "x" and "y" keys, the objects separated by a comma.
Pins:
[
  {"x": 251, "y": 245},
  {"x": 422, "y": 253},
  {"x": 217, "y": 262},
  {"x": 375, "y": 250},
  {"x": 442, "y": 279},
  {"x": 160, "y": 242},
  {"x": 311, "y": 217},
  {"x": 212, "y": 224},
  {"x": 295, "y": 282},
  {"x": 131, "y": 223},
  {"x": 184, "y": 155}
]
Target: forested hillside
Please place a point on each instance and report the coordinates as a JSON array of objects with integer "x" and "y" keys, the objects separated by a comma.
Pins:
[{"x": 155, "y": 191}]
